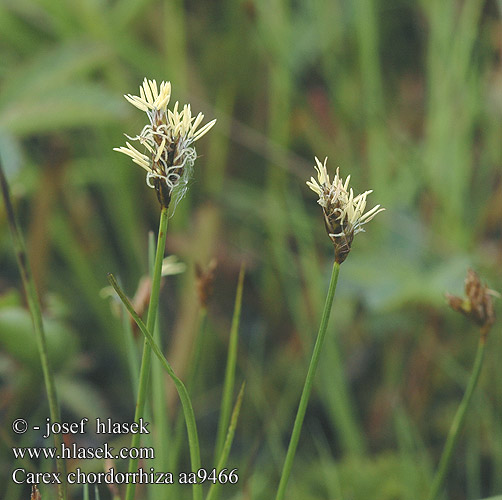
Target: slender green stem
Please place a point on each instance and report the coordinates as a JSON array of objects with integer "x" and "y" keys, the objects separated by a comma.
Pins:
[
  {"x": 144, "y": 373},
  {"x": 131, "y": 351},
  {"x": 158, "y": 393},
  {"x": 225, "y": 451},
  {"x": 457, "y": 423},
  {"x": 199, "y": 346},
  {"x": 194, "y": 365},
  {"x": 36, "y": 317},
  {"x": 307, "y": 388},
  {"x": 193, "y": 440},
  {"x": 228, "y": 385}
]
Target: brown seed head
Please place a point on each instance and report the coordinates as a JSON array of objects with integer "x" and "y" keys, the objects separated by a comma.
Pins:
[
  {"x": 478, "y": 304},
  {"x": 205, "y": 281}
]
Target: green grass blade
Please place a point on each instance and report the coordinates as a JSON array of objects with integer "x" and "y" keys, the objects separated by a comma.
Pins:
[
  {"x": 194, "y": 364},
  {"x": 228, "y": 385},
  {"x": 193, "y": 439},
  {"x": 213, "y": 490},
  {"x": 309, "y": 381},
  {"x": 146, "y": 357},
  {"x": 159, "y": 393},
  {"x": 457, "y": 424},
  {"x": 36, "y": 316},
  {"x": 131, "y": 351}
]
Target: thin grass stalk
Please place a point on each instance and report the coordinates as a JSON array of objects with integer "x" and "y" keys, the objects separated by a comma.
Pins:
[
  {"x": 149, "y": 415},
  {"x": 228, "y": 384},
  {"x": 193, "y": 439},
  {"x": 146, "y": 358},
  {"x": 177, "y": 433},
  {"x": 131, "y": 351},
  {"x": 162, "y": 427},
  {"x": 38, "y": 326},
  {"x": 225, "y": 451},
  {"x": 197, "y": 355},
  {"x": 159, "y": 405},
  {"x": 338, "y": 399},
  {"x": 458, "y": 421},
  {"x": 307, "y": 388},
  {"x": 473, "y": 457}
]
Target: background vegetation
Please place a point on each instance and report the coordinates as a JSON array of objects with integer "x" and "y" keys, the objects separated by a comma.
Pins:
[{"x": 405, "y": 96}]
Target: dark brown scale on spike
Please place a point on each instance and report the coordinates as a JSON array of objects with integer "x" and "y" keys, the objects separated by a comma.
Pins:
[
  {"x": 334, "y": 226},
  {"x": 163, "y": 192}
]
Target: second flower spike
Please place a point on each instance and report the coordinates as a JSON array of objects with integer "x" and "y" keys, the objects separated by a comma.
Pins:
[
  {"x": 168, "y": 138},
  {"x": 343, "y": 212}
]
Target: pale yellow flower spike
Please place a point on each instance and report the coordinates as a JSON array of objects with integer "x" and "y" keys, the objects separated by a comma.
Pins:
[
  {"x": 168, "y": 131},
  {"x": 343, "y": 212}
]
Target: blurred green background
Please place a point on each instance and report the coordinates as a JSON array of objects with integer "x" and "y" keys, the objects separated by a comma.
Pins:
[{"x": 404, "y": 96}]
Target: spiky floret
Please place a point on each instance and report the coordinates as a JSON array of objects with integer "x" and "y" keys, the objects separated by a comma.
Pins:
[
  {"x": 344, "y": 214},
  {"x": 168, "y": 140}
]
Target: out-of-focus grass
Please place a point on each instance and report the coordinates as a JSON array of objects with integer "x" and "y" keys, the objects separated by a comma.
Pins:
[{"x": 406, "y": 97}]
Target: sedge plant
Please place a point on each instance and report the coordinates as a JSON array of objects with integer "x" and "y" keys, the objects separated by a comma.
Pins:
[
  {"x": 477, "y": 306},
  {"x": 343, "y": 217},
  {"x": 169, "y": 158}
]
